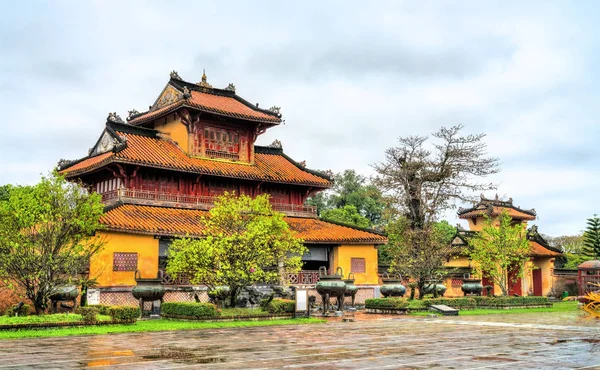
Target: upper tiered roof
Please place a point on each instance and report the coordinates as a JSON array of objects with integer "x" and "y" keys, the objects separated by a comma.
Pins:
[
  {"x": 203, "y": 97},
  {"x": 123, "y": 143},
  {"x": 495, "y": 207}
]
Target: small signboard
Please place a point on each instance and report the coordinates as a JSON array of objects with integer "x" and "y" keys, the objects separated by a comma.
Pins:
[{"x": 301, "y": 302}]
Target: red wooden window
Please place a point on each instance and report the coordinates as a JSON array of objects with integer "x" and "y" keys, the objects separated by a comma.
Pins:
[
  {"x": 125, "y": 261},
  {"x": 357, "y": 265},
  {"x": 222, "y": 143}
]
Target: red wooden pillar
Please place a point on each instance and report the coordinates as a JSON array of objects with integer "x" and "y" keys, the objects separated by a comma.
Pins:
[{"x": 537, "y": 282}]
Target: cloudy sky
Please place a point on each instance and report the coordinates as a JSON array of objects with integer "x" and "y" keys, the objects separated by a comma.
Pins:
[{"x": 351, "y": 77}]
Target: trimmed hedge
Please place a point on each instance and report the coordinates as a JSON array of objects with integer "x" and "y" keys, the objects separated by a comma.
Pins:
[
  {"x": 511, "y": 301},
  {"x": 464, "y": 303},
  {"x": 103, "y": 309},
  {"x": 279, "y": 305},
  {"x": 124, "y": 314},
  {"x": 386, "y": 303},
  {"x": 189, "y": 309},
  {"x": 88, "y": 314}
]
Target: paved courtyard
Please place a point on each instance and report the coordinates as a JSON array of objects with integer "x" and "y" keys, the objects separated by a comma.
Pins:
[{"x": 529, "y": 341}]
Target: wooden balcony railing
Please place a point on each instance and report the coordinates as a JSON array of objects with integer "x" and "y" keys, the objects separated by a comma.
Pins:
[{"x": 148, "y": 197}]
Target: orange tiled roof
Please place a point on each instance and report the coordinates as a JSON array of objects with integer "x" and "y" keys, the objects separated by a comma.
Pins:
[
  {"x": 212, "y": 100},
  {"x": 180, "y": 222},
  {"x": 161, "y": 153},
  {"x": 496, "y": 211},
  {"x": 538, "y": 250}
]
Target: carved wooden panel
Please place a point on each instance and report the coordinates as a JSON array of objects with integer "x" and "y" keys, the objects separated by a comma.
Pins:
[
  {"x": 358, "y": 265},
  {"x": 125, "y": 261}
]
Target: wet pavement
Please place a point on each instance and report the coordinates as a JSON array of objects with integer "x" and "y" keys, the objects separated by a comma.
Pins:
[{"x": 516, "y": 341}]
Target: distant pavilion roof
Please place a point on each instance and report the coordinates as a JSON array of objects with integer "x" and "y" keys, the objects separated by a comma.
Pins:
[
  {"x": 538, "y": 246},
  {"x": 495, "y": 207}
]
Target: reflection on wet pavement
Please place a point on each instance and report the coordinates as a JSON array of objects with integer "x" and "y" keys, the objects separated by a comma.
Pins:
[{"x": 516, "y": 341}]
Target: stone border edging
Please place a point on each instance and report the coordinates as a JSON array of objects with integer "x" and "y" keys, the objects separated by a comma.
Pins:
[
  {"x": 43, "y": 325},
  {"x": 230, "y": 318}
]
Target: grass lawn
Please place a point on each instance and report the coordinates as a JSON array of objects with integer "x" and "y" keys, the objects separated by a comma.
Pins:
[
  {"x": 556, "y": 307},
  {"x": 32, "y": 319},
  {"x": 229, "y": 312},
  {"x": 146, "y": 326}
]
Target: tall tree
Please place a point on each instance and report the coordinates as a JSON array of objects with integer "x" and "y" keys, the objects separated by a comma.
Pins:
[
  {"x": 418, "y": 253},
  {"x": 500, "y": 250},
  {"x": 425, "y": 181},
  {"x": 591, "y": 238},
  {"x": 244, "y": 241},
  {"x": 47, "y": 236}
]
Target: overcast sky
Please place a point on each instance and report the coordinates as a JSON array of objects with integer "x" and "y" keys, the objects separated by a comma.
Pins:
[{"x": 350, "y": 77}]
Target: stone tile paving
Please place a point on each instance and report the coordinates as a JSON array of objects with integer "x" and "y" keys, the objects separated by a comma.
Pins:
[{"x": 517, "y": 341}]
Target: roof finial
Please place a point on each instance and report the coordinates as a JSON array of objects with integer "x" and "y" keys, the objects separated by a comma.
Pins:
[{"x": 203, "y": 82}]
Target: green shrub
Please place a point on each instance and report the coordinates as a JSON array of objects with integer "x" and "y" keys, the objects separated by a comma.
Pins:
[
  {"x": 103, "y": 309},
  {"x": 124, "y": 314},
  {"x": 16, "y": 311},
  {"x": 417, "y": 305},
  {"x": 189, "y": 309},
  {"x": 452, "y": 302},
  {"x": 386, "y": 303},
  {"x": 279, "y": 305},
  {"x": 511, "y": 301},
  {"x": 88, "y": 314}
]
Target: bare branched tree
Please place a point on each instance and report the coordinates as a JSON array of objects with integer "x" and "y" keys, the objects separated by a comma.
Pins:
[
  {"x": 426, "y": 180},
  {"x": 423, "y": 181}
]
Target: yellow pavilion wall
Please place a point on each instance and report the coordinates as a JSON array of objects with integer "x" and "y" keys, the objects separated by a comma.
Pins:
[
  {"x": 455, "y": 291},
  {"x": 175, "y": 130},
  {"x": 343, "y": 254},
  {"x": 146, "y": 246}
]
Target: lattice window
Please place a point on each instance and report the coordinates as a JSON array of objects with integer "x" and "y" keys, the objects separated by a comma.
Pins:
[
  {"x": 358, "y": 265},
  {"x": 221, "y": 143},
  {"x": 125, "y": 261},
  {"x": 457, "y": 282}
]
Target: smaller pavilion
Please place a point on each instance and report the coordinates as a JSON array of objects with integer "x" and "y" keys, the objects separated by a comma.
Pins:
[{"x": 538, "y": 279}]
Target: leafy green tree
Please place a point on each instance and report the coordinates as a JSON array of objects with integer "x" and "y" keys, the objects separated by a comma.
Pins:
[
  {"x": 417, "y": 253},
  {"x": 348, "y": 215},
  {"x": 591, "y": 238},
  {"x": 47, "y": 236},
  {"x": 244, "y": 242},
  {"x": 352, "y": 189},
  {"x": 500, "y": 250},
  {"x": 4, "y": 192}
]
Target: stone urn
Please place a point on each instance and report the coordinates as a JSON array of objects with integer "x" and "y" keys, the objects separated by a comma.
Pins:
[
  {"x": 472, "y": 287},
  {"x": 438, "y": 286},
  {"x": 391, "y": 286},
  {"x": 64, "y": 293},
  {"x": 331, "y": 286},
  {"x": 351, "y": 289},
  {"x": 148, "y": 290}
]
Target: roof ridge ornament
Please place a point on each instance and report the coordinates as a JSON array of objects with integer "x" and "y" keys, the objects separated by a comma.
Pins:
[
  {"x": 132, "y": 114},
  {"x": 276, "y": 144},
  {"x": 175, "y": 76},
  {"x": 114, "y": 118},
  {"x": 186, "y": 93},
  {"x": 203, "y": 82},
  {"x": 230, "y": 87},
  {"x": 275, "y": 109}
]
